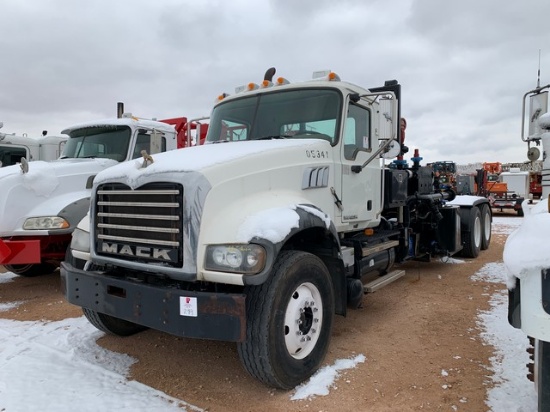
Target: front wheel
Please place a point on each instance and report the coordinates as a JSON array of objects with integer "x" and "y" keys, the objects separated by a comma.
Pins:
[
  {"x": 542, "y": 374},
  {"x": 289, "y": 321},
  {"x": 110, "y": 324},
  {"x": 472, "y": 233},
  {"x": 31, "y": 270}
]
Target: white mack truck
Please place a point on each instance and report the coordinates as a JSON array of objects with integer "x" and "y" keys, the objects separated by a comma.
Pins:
[
  {"x": 527, "y": 253},
  {"x": 42, "y": 202},
  {"x": 286, "y": 216},
  {"x": 14, "y": 147}
]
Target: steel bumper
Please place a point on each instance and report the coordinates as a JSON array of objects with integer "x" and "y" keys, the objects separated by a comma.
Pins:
[{"x": 205, "y": 315}]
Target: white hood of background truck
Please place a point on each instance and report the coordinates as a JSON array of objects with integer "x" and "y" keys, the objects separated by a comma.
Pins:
[{"x": 45, "y": 190}]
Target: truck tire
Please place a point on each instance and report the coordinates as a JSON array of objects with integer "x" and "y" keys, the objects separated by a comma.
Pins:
[
  {"x": 31, "y": 270},
  {"x": 542, "y": 375},
  {"x": 472, "y": 233},
  {"x": 112, "y": 325},
  {"x": 289, "y": 321},
  {"x": 486, "y": 223}
]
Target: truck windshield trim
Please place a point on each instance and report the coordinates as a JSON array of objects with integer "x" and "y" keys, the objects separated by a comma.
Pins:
[
  {"x": 110, "y": 142},
  {"x": 290, "y": 114}
]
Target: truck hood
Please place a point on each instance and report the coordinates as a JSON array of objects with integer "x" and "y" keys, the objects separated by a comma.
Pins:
[
  {"x": 45, "y": 190},
  {"x": 227, "y": 172},
  {"x": 215, "y": 160}
]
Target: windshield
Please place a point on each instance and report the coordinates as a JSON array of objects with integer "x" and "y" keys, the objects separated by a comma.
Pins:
[
  {"x": 297, "y": 114},
  {"x": 10, "y": 155},
  {"x": 109, "y": 142}
]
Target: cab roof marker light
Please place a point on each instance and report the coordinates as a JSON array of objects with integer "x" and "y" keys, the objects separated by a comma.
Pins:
[
  {"x": 221, "y": 97},
  {"x": 281, "y": 80},
  {"x": 326, "y": 75},
  {"x": 252, "y": 86},
  {"x": 240, "y": 89},
  {"x": 333, "y": 77},
  {"x": 265, "y": 84}
]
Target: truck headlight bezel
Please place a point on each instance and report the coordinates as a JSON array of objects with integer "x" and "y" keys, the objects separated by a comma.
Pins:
[
  {"x": 247, "y": 259},
  {"x": 45, "y": 223},
  {"x": 80, "y": 240}
]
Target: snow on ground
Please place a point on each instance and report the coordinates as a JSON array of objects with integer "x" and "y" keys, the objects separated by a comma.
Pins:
[{"x": 37, "y": 358}]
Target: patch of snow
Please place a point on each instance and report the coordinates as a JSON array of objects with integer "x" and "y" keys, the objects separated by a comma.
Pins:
[
  {"x": 321, "y": 382},
  {"x": 271, "y": 224},
  {"x": 40, "y": 359},
  {"x": 4, "y": 307},
  {"x": 7, "y": 277}
]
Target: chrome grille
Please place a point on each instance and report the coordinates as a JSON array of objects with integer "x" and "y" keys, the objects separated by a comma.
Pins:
[{"x": 145, "y": 224}]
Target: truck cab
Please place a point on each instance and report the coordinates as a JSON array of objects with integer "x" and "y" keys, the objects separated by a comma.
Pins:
[
  {"x": 52, "y": 197},
  {"x": 526, "y": 251},
  {"x": 13, "y": 148}
]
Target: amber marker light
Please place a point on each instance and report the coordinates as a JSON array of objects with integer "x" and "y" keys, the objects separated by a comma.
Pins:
[{"x": 281, "y": 81}]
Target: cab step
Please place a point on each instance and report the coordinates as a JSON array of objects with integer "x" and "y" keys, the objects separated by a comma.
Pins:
[{"x": 382, "y": 281}]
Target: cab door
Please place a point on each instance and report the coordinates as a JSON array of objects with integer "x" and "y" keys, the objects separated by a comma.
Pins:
[{"x": 361, "y": 191}]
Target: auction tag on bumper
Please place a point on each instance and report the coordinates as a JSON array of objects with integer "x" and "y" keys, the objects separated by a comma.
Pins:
[{"x": 188, "y": 306}]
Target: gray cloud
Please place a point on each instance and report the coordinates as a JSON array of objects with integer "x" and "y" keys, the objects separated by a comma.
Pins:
[{"x": 464, "y": 66}]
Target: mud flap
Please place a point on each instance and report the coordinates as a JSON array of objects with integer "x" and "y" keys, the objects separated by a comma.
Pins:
[{"x": 514, "y": 305}]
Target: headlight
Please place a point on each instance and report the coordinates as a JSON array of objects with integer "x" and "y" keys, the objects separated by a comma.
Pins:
[
  {"x": 81, "y": 240},
  {"x": 45, "y": 223},
  {"x": 247, "y": 259}
]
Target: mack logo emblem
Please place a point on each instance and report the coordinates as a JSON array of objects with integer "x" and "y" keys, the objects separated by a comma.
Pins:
[{"x": 139, "y": 251}]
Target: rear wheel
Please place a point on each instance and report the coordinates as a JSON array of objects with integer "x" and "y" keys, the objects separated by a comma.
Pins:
[
  {"x": 112, "y": 325},
  {"x": 486, "y": 224},
  {"x": 542, "y": 374},
  {"x": 472, "y": 233},
  {"x": 289, "y": 321},
  {"x": 31, "y": 270}
]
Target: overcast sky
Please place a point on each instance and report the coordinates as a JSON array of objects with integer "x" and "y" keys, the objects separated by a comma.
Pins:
[{"x": 464, "y": 66}]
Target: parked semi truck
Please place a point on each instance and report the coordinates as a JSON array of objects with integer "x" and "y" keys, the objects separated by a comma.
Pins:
[
  {"x": 42, "y": 202},
  {"x": 527, "y": 252},
  {"x": 14, "y": 147},
  {"x": 286, "y": 216}
]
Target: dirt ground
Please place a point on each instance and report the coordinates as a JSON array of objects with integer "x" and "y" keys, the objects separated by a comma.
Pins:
[{"x": 408, "y": 331}]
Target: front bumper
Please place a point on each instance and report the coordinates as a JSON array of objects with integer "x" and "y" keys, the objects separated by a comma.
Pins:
[
  {"x": 25, "y": 250},
  {"x": 204, "y": 315}
]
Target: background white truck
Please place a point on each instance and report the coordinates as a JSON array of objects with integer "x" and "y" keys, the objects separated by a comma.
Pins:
[
  {"x": 42, "y": 202},
  {"x": 527, "y": 253},
  {"x": 286, "y": 216},
  {"x": 14, "y": 147}
]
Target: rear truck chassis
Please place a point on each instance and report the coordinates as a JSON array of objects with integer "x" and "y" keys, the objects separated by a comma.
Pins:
[{"x": 507, "y": 202}]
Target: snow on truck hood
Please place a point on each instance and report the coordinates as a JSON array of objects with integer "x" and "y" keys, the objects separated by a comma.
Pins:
[
  {"x": 199, "y": 158},
  {"x": 43, "y": 177},
  {"x": 46, "y": 189}
]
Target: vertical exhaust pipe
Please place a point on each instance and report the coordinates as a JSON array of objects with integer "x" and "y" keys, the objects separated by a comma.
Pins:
[{"x": 119, "y": 109}]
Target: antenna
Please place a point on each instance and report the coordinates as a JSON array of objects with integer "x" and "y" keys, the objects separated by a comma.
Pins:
[{"x": 538, "y": 74}]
